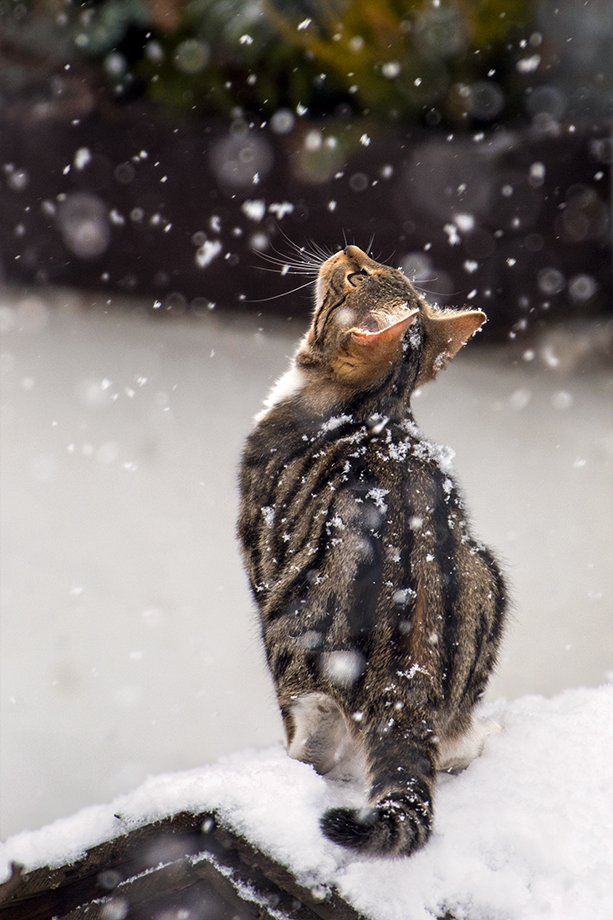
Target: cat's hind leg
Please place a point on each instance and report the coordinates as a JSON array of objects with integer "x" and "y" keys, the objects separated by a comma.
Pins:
[
  {"x": 456, "y": 754},
  {"x": 318, "y": 734}
]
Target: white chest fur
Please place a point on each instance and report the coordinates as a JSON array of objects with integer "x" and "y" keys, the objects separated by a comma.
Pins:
[{"x": 291, "y": 381}]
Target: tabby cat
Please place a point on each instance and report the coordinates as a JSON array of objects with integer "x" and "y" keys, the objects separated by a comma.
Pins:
[{"x": 381, "y": 614}]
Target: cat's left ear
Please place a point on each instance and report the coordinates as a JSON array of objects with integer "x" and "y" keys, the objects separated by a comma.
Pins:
[{"x": 445, "y": 332}]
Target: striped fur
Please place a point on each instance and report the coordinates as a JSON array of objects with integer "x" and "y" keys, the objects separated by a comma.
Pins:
[{"x": 381, "y": 614}]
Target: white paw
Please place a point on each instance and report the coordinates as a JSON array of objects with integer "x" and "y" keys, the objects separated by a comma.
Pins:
[{"x": 456, "y": 755}]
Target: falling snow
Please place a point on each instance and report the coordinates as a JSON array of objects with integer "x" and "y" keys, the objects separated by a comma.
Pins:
[
  {"x": 281, "y": 209},
  {"x": 255, "y": 210},
  {"x": 82, "y": 157},
  {"x": 452, "y": 234},
  {"x": 209, "y": 250},
  {"x": 529, "y": 64}
]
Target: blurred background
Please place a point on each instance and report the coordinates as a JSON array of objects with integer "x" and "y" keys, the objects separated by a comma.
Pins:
[{"x": 155, "y": 155}]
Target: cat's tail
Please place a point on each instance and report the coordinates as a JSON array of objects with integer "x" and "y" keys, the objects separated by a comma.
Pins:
[
  {"x": 397, "y": 825},
  {"x": 398, "y": 820}
]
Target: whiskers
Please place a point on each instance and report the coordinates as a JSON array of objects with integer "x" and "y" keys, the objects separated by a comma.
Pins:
[
  {"x": 436, "y": 294},
  {"x": 300, "y": 260},
  {"x": 295, "y": 290}
]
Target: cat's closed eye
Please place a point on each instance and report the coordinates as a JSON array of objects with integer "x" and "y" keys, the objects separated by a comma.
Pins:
[{"x": 355, "y": 277}]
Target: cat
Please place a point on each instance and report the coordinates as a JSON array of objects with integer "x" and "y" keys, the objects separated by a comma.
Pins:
[{"x": 381, "y": 615}]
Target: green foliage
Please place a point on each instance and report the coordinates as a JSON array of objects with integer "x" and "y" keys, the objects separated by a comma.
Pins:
[
  {"x": 399, "y": 58},
  {"x": 403, "y": 60}
]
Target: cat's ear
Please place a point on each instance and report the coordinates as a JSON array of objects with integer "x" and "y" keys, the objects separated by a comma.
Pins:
[
  {"x": 383, "y": 338},
  {"x": 367, "y": 354},
  {"x": 445, "y": 332}
]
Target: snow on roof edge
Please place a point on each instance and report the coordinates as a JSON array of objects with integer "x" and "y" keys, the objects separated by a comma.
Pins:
[{"x": 525, "y": 830}]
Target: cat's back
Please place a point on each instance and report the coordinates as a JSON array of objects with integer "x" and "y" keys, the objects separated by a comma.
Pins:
[
  {"x": 312, "y": 485},
  {"x": 288, "y": 444}
]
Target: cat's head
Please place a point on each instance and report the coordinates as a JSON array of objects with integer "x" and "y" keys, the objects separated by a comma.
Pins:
[{"x": 369, "y": 318}]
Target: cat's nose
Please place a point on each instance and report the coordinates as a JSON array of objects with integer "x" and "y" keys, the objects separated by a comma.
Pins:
[{"x": 355, "y": 254}]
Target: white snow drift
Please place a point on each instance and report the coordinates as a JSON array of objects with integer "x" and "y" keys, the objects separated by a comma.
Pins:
[{"x": 524, "y": 832}]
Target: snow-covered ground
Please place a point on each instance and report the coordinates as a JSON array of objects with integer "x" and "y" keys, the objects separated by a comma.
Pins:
[
  {"x": 129, "y": 642},
  {"x": 525, "y": 833}
]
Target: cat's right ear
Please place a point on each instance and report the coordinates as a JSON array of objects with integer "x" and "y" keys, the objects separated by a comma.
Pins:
[
  {"x": 445, "y": 331},
  {"x": 367, "y": 355},
  {"x": 381, "y": 340}
]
